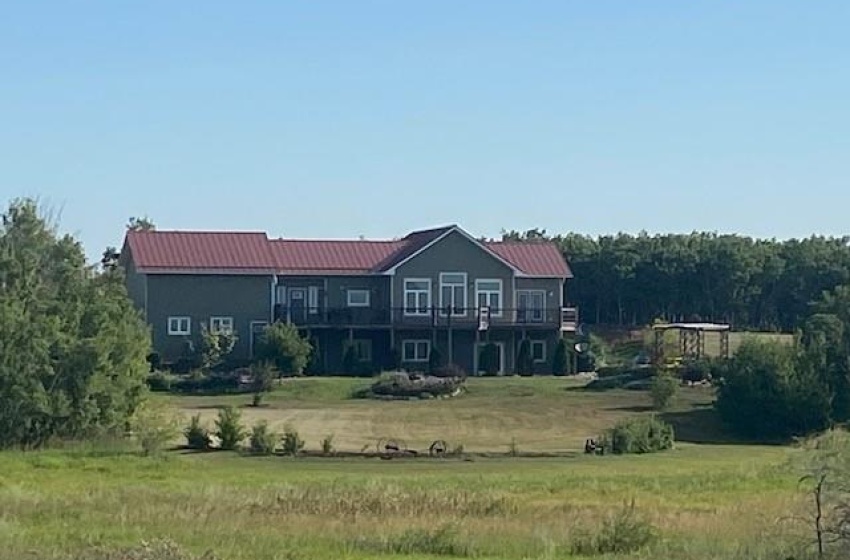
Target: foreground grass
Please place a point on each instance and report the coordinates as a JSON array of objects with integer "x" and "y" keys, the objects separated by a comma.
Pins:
[
  {"x": 708, "y": 501},
  {"x": 705, "y": 501}
]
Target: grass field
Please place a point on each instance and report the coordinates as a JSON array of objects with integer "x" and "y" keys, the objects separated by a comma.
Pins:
[{"x": 706, "y": 500}]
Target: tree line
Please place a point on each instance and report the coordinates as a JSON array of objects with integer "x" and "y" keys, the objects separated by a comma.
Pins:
[{"x": 763, "y": 284}]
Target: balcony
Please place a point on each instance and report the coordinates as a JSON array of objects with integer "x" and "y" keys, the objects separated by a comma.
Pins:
[{"x": 564, "y": 318}]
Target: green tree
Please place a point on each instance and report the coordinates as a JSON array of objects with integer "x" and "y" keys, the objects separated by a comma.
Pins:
[
  {"x": 263, "y": 376},
  {"x": 561, "y": 358},
  {"x": 662, "y": 390},
  {"x": 769, "y": 390},
  {"x": 140, "y": 224},
  {"x": 215, "y": 347},
  {"x": 523, "y": 357},
  {"x": 283, "y": 345},
  {"x": 229, "y": 429},
  {"x": 72, "y": 347}
]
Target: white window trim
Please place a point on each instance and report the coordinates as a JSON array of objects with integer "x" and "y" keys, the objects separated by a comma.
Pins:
[
  {"x": 351, "y": 291},
  {"x": 416, "y": 311},
  {"x": 498, "y": 311},
  {"x": 465, "y": 295},
  {"x": 541, "y": 343},
  {"x": 542, "y": 309},
  {"x": 221, "y": 319},
  {"x": 415, "y": 344},
  {"x": 172, "y": 331}
]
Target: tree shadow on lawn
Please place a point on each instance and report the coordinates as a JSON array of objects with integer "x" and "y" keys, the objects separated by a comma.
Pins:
[{"x": 702, "y": 425}]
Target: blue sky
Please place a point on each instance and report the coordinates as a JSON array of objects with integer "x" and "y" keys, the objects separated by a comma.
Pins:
[{"x": 339, "y": 119}]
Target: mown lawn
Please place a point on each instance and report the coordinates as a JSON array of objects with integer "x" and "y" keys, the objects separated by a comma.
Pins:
[
  {"x": 706, "y": 501},
  {"x": 540, "y": 414}
]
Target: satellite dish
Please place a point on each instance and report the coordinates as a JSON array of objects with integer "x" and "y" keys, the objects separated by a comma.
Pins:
[{"x": 582, "y": 347}]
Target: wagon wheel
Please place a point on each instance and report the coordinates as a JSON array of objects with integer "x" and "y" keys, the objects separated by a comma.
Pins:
[
  {"x": 439, "y": 447},
  {"x": 391, "y": 445}
]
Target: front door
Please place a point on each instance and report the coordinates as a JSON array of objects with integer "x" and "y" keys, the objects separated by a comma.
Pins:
[
  {"x": 298, "y": 305},
  {"x": 500, "y": 357}
]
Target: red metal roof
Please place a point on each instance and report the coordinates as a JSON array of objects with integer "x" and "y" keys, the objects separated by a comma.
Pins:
[
  {"x": 318, "y": 257},
  {"x": 254, "y": 253},
  {"x": 183, "y": 250},
  {"x": 533, "y": 258}
]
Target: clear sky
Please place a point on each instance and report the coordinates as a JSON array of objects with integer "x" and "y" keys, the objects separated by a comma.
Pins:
[{"x": 339, "y": 119}]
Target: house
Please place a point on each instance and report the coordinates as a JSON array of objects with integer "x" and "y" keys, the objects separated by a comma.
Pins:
[{"x": 389, "y": 300}]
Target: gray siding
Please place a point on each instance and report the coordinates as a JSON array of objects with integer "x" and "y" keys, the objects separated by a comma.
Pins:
[
  {"x": 454, "y": 253},
  {"x": 552, "y": 287},
  {"x": 135, "y": 283},
  {"x": 245, "y": 298}
]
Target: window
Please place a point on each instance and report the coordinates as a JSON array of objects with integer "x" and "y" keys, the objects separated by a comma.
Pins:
[
  {"x": 358, "y": 298},
  {"x": 415, "y": 350},
  {"x": 221, "y": 325},
  {"x": 530, "y": 306},
  {"x": 488, "y": 293},
  {"x": 538, "y": 350},
  {"x": 362, "y": 349},
  {"x": 453, "y": 293},
  {"x": 179, "y": 326},
  {"x": 313, "y": 300},
  {"x": 417, "y": 296}
]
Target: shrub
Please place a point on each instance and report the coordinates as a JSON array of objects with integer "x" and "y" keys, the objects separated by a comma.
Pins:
[
  {"x": 262, "y": 441},
  {"x": 283, "y": 345},
  {"x": 229, "y": 429},
  {"x": 154, "y": 426},
  {"x": 435, "y": 360},
  {"x": 393, "y": 360},
  {"x": 625, "y": 532},
  {"x": 161, "y": 381},
  {"x": 561, "y": 358},
  {"x": 197, "y": 435},
  {"x": 328, "y": 444},
  {"x": 292, "y": 442},
  {"x": 450, "y": 370},
  {"x": 663, "y": 388},
  {"x": 263, "y": 376},
  {"x": 488, "y": 359},
  {"x": 641, "y": 434},
  {"x": 314, "y": 364},
  {"x": 523, "y": 358},
  {"x": 697, "y": 370},
  {"x": 401, "y": 384}
]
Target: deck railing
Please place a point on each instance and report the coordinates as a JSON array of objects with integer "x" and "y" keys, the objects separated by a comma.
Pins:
[{"x": 565, "y": 318}]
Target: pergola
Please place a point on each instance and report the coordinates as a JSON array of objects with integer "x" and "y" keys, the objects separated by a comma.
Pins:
[{"x": 691, "y": 338}]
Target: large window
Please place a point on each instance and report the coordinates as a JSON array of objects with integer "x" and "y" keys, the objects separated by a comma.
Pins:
[
  {"x": 358, "y": 298},
  {"x": 488, "y": 293},
  {"x": 453, "y": 293},
  {"x": 415, "y": 350},
  {"x": 531, "y": 306},
  {"x": 221, "y": 325},
  {"x": 179, "y": 326},
  {"x": 417, "y": 296}
]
